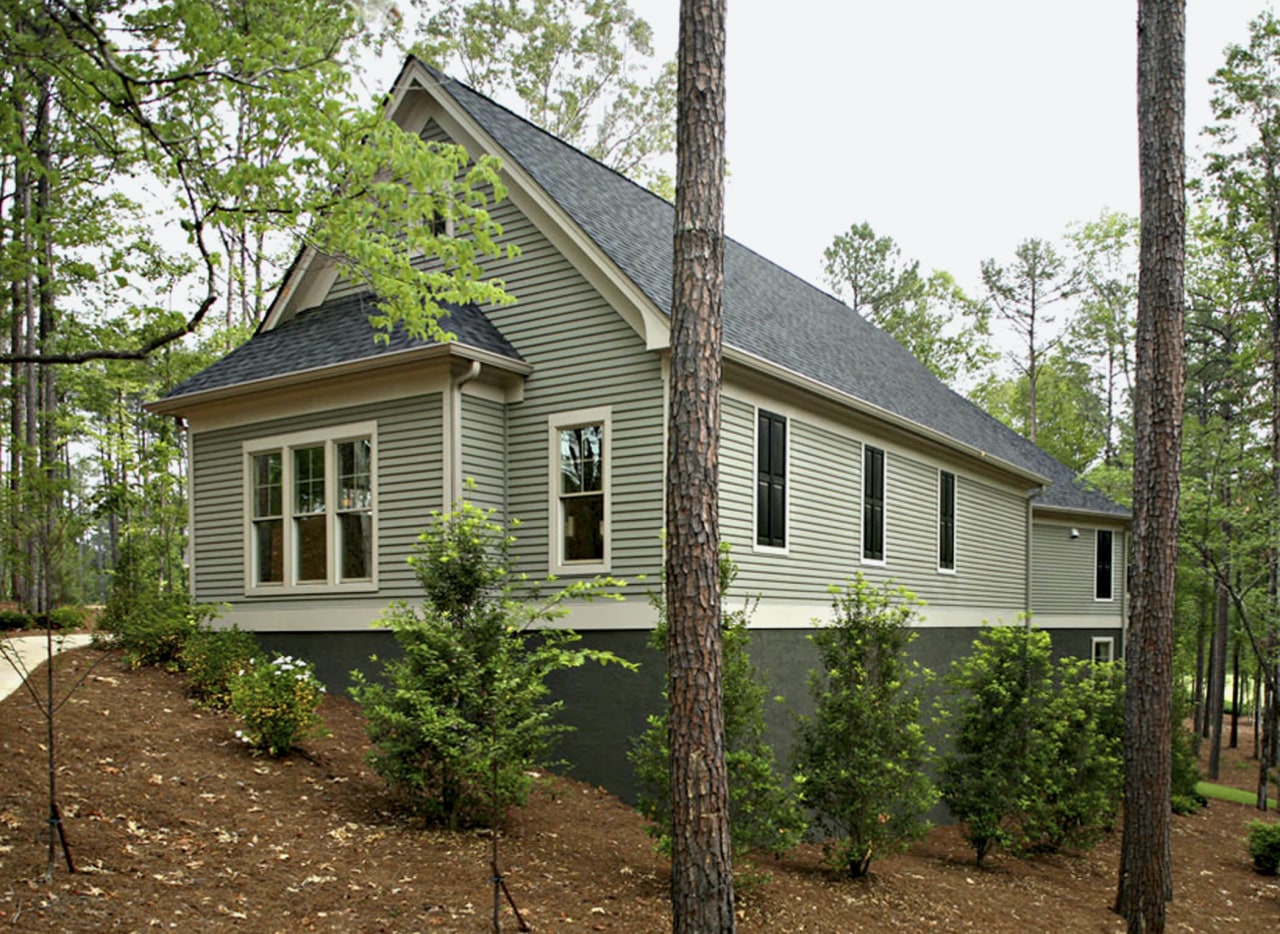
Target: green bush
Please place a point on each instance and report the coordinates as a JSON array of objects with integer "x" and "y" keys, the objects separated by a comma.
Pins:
[
  {"x": 1184, "y": 798},
  {"x": 860, "y": 757},
  {"x": 1078, "y": 758},
  {"x": 156, "y": 628},
  {"x": 16, "y": 619},
  {"x": 1036, "y": 761},
  {"x": 277, "y": 701},
  {"x": 212, "y": 658},
  {"x": 762, "y": 814},
  {"x": 462, "y": 719},
  {"x": 67, "y": 617},
  {"x": 1264, "y": 846}
]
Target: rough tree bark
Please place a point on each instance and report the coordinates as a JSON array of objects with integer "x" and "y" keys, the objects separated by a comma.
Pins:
[
  {"x": 1146, "y": 880},
  {"x": 701, "y": 878}
]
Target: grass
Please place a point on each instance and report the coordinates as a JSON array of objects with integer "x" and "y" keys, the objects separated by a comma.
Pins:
[{"x": 1223, "y": 793}]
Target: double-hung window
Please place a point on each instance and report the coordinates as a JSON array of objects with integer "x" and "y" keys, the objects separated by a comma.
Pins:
[
  {"x": 1103, "y": 555},
  {"x": 946, "y": 521},
  {"x": 311, "y": 510},
  {"x": 872, "y": 504},
  {"x": 580, "y": 448},
  {"x": 771, "y": 480}
]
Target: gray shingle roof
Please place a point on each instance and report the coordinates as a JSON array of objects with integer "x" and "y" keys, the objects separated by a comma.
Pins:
[
  {"x": 335, "y": 332},
  {"x": 768, "y": 312}
]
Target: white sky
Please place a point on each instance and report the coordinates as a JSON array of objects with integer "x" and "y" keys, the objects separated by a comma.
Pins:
[{"x": 957, "y": 128}]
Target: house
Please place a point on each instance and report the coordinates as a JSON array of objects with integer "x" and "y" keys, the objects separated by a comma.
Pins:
[{"x": 317, "y": 455}]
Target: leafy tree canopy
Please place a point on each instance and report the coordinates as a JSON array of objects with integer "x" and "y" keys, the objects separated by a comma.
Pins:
[{"x": 580, "y": 69}]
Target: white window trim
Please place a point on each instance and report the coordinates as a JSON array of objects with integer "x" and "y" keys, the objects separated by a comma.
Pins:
[
  {"x": 756, "y": 547},
  {"x": 862, "y": 503},
  {"x": 557, "y": 421},
  {"x": 1109, "y": 641},
  {"x": 329, "y": 437},
  {"x": 955, "y": 523},
  {"x": 1096, "y": 598}
]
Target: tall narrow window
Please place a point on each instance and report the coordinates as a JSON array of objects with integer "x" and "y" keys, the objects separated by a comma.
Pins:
[
  {"x": 771, "y": 480},
  {"x": 268, "y": 518},
  {"x": 872, "y": 503},
  {"x": 582, "y": 492},
  {"x": 1102, "y": 565},
  {"x": 310, "y": 532},
  {"x": 946, "y": 521},
  {"x": 355, "y": 510}
]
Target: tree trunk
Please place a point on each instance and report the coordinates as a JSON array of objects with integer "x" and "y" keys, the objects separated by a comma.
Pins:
[
  {"x": 1145, "y": 878},
  {"x": 701, "y": 869},
  {"x": 1235, "y": 695},
  {"x": 1218, "y": 679}
]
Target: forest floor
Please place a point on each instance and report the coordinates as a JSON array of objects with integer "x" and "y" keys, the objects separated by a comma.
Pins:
[{"x": 174, "y": 825}]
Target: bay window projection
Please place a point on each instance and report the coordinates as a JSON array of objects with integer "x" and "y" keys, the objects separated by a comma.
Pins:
[{"x": 312, "y": 505}]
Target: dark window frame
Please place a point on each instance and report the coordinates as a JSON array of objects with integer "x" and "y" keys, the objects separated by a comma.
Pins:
[
  {"x": 771, "y": 479},
  {"x": 874, "y": 460},
  {"x": 946, "y": 520},
  {"x": 1103, "y": 565}
]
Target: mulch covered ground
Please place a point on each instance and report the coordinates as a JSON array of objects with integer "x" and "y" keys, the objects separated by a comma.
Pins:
[{"x": 174, "y": 825}]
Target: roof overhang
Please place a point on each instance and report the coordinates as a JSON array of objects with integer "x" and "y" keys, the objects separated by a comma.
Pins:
[
  {"x": 1066, "y": 513},
  {"x": 180, "y": 405}
]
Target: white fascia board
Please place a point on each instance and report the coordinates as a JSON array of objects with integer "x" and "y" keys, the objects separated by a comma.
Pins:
[
  {"x": 627, "y": 298},
  {"x": 184, "y": 403}
]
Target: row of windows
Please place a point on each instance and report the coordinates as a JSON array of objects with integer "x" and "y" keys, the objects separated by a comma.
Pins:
[
  {"x": 771, "y": 496},
  {"x": 311, "y": 497}
]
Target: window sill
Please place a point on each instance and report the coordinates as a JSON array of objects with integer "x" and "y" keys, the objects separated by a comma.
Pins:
[{"x": 280, "y": 590}]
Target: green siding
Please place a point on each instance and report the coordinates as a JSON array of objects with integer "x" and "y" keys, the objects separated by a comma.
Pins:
[
  {"x": 824, "y": 542},
  {"x": 584, "y": 355},
  {"x": 409, "y": 481},
  {"x": 1063, "y": 572},
  {"x": 484, "y": 452}
]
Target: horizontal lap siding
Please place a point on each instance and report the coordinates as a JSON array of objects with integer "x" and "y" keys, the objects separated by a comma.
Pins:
[
  {"x": 824, "y": 521},
  {"x": 484, "y": 458},
  {"x": 409, "y": 486},
  {"x": 1063, "y": 572},
  {"x": 584, "y": 355}
]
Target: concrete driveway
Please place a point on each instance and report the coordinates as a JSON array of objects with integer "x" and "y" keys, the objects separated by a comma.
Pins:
[{"x": 23, "y": 654}]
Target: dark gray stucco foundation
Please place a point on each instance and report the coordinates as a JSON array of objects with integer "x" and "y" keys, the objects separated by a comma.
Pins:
[{"x": 608, "y": 705}]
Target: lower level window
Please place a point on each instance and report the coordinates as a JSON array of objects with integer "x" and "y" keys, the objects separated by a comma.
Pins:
[
  {"x": 580, "y": 450},
  {"x": 1104, "y": 649},
  {"x": 311, "y": 502}
]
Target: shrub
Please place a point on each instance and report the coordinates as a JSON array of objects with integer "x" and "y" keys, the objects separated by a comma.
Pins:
[
  {"x": 156, "y": 628},
  {"x": 1078, "y": 758},
  {"x": 462, "y": 719},
  {"x": 860, "y": 757},
  {"x": 67, "y": 617},
  {"x": 212, "y": 658},
  {"x": 997, "y": 697},
  {"x": 1184, "y": 798},
  {"x": 1037, "y": 761},
  {"x": 762, "y": 813},
  {"x": 277, "y": 701},
  {"x": 1264, "y": 846},
  {"x": 15, "y": 619}
]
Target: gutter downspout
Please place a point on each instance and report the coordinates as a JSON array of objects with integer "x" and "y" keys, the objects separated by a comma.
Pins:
[
  {"x": 455, "y": 432},
  {"x": 1031, "y": 495}
]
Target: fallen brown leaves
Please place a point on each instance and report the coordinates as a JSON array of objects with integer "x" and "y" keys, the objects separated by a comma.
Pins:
[{"x": 175, "y": 826}]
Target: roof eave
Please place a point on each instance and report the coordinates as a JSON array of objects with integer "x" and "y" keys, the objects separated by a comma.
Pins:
[
  {"x": 1070, "y": 511},
  {"x": 867, "y": 408},
  {"x": 177, "y": 405}
]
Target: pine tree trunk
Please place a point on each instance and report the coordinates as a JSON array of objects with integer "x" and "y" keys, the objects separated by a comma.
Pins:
[
  {"x": 1145, "y": 878},
  {"x": 701, "y": 871},
  {"x": 1218, "y": 679}
]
